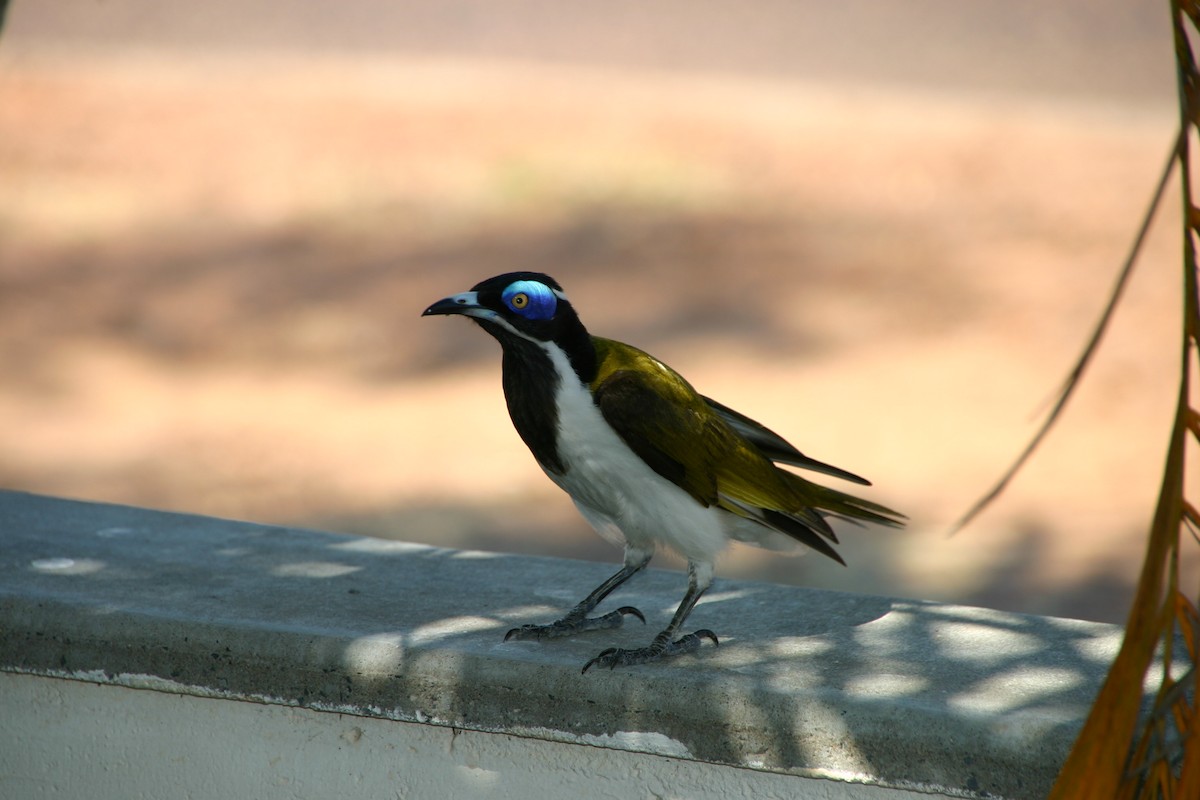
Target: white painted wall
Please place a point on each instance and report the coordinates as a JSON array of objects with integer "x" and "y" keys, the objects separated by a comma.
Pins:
[{"x": 66, "y": 739}]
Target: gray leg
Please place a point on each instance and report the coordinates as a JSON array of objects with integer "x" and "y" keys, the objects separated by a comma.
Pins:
[
  {"x": 665, "y": 644},
  {"x": 577, "y": 619}
]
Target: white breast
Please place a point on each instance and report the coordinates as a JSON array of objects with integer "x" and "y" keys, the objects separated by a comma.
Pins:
[{"x": 616, "y": 491}]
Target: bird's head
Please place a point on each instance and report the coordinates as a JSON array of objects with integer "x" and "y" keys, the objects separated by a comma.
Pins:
[{"x": 528, "y": 305}]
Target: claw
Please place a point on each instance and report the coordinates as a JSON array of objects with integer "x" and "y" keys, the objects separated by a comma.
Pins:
[
  {"x": 570, "y": 625},
  {"x": 634, "y": 612},
  {"x": 615, "y": 657},
  {"x": 602, "y": 655}
]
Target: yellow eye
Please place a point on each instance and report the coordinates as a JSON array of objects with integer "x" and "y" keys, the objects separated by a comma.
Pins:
[{"x": 520, "y": 300}]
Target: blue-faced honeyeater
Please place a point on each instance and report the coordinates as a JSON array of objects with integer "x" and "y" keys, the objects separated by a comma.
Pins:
[{"x": 647, "y": 459}]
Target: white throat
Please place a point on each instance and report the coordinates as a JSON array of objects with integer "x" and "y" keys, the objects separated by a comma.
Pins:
[{"x": 616, "y": 491}]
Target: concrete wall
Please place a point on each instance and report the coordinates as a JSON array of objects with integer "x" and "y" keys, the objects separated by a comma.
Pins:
[
  {"x": 102, "y": 741},
  {"x": 145, "y": 654}
]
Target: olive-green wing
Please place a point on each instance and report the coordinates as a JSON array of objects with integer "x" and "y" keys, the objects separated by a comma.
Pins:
[
  {"x": 684, "y": 440},
  {"x": 775, "y": 447},
  {"x": 717, "y": 455},
  {"x": 665, "y": 424}
]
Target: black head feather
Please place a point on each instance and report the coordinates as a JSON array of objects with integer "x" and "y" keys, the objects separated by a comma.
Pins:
[{"x": 524, "y": 308}]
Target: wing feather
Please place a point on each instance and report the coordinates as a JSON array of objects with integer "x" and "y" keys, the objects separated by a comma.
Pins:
[
  {"x": 719, "y": 456},
  {"x": 775, "y": 447},
  {"x": 662, "y": 433}
]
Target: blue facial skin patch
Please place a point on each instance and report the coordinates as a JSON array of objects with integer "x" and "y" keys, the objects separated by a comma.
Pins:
[{"x": 530, "y": 299}]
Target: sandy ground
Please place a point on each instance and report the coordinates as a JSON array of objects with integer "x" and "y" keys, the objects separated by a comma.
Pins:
[{"x": 211, "y": 271}]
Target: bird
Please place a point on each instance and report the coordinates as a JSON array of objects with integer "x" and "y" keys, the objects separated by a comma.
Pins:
[{"x": 647, "y": 460}]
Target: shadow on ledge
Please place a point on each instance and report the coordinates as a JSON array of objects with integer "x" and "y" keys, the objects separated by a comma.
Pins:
[{"x": 893, "y": 692}]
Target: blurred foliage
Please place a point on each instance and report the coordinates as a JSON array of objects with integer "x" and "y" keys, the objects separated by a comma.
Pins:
[
  {"x": 1115, "y": 756},
  {"x": 1158, "y": 757}
]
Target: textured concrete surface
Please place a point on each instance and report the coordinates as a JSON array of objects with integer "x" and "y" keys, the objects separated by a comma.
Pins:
[{"x": 895, "y": 693}]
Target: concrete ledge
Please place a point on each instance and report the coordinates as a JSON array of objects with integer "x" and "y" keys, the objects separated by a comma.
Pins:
[{"x": 871, "y": 691}]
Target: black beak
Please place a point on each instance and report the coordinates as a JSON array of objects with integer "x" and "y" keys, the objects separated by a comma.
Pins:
[{"x": 464, "y": 303}]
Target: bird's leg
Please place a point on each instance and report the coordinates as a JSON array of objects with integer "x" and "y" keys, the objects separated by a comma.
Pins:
[
  {"x": 577, "y": 619},
  {"x": 700, "y": 577}
]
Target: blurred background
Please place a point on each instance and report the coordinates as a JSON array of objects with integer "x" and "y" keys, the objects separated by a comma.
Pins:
[{"x": 882, "y": 227}]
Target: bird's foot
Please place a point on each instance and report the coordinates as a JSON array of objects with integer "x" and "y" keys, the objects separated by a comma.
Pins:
[
  {"x": 661, "y": 648},
  {"x": 572, "y": 624}
]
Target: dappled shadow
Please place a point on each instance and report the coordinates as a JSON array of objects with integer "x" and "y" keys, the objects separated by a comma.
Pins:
[
  {"x": 803, "y": 679},
  {"x": 519, "y": 525},
  {"x": 1021, "y": 580},
  {"x": 788, "y": 666}
]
